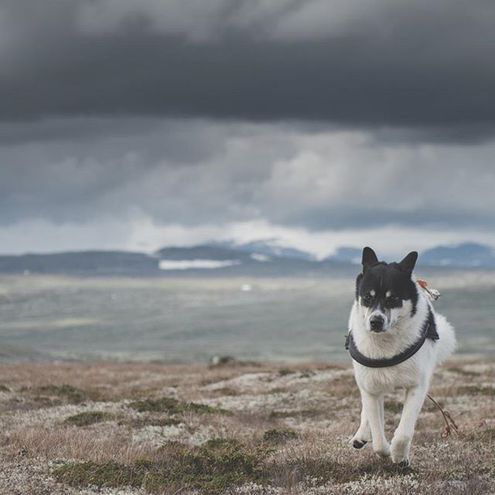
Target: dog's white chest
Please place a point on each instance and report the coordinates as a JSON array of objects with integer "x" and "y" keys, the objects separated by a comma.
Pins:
[{"x": 381, "y": 380}]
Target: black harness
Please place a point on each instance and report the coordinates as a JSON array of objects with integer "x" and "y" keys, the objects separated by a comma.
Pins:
[{"x": 428, "y": 331}]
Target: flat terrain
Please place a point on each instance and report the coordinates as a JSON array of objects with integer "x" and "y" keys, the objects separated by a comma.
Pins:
[{"x": 238, "y": 429}]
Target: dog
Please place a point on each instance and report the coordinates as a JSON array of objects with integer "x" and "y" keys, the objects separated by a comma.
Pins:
[{"x": 395, "y": 340}]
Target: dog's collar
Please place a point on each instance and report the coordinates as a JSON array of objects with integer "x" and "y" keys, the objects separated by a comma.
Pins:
[{"x": 428, "y": 331}]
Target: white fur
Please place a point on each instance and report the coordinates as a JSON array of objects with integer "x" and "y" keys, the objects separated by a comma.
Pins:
[{"x": 413, "y": 374}]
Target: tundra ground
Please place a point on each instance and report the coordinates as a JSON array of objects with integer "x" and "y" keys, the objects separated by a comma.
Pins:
[{"x": 255, "y": 429}]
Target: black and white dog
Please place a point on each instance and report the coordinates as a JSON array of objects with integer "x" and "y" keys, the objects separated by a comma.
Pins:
[{"x": 395, "y": 340}]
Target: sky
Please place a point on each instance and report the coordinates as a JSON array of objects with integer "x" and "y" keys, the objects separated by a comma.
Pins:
[{"x": 135, "y": 124}]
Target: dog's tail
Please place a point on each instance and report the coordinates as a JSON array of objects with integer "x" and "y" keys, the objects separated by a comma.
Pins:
[{"x": 447, "y": 342}]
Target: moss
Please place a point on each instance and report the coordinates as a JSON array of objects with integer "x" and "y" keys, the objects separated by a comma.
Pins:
[
  {"x": 345, "y": 473},
  {"x": 307, "y": 374},
  {"x": 211, "y": 468},
  {"x": 105, "y": 474},
  {"x": 154, "y": 421},
  {"x": 322, "y": 470},
  {"x": 302, "y": 413},
  {"x": 484, "y": 435},
  {"x": 225, "y": 391},
  {"x": 165, "y": 404},
  {"x": 43, "y": 401},
  {"x": 173, "y": 406},
  {"x": 71, "y": 394},
  {"x": 279, "y": 435},
  {"x": 219, "y": 465},
  {"x": 488, "y": 435},
  {"x": 278, "y": 390},
  {"x": 319, "y": 470},
  {"x": 88, "y": 418},
  {"x": 215, "y": 465},
  {"x": 475, "y": 390}
]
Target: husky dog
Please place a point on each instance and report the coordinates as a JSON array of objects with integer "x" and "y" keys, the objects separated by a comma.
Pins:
[{"x": 395, "y": 340}]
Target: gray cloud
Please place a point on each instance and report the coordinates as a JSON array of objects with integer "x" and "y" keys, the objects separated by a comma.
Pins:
[
  {"x": 311, "y": 114},
  {"x": 198, "y": 172},
  {"x": 422, "y": 64}
]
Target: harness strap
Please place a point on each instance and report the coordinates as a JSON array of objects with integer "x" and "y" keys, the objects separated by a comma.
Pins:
[{"x": 429, "y": 331}]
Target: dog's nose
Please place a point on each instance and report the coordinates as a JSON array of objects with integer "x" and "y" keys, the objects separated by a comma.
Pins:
[{"x": 376, "y": 323}]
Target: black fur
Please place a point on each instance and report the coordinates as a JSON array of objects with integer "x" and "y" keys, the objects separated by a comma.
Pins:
[
  {"x": 369, "y": 258},
  {"x": 382, "y": 277},
  {"x": 358, "y": 281},
  {"x": 407, "y": 264}
]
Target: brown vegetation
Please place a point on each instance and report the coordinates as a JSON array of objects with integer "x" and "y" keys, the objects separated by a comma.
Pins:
[{"x": 255, "y": 429}]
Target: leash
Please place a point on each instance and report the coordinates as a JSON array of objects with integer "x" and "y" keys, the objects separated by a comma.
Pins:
[
  {"x": 450, "y": 424},
  {"x": 429, "y": 331}
]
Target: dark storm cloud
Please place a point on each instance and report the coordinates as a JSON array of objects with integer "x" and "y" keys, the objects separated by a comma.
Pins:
[
  {"x": 199, "y": 172},
  {"x": 186, "y": 171},
  {"x": 320, "y": 114},
  {"x": 405, "y": 64}
]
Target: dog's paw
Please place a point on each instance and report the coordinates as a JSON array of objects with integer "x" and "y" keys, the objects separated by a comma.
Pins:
[
  {"x": 361, "y": 438},
  {"x": 400, "y": 451},
  {"x": 359, "y": 444},
  {"x": 382, "y": 450},
  {"x": 405, "y": 464}
]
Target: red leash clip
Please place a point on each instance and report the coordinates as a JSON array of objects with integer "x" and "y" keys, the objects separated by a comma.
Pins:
[{"x": 433, "y": 293}]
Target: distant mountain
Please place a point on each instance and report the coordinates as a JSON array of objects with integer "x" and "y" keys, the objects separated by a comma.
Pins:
[
  {"x": 256, "y": 258},
  {"x": 346, "y": 255},
  {"x": 269, "y": 248},
  {"x": 201, "y": 259},
  {"x": 82, "y": 262},
  {"x": 465, "y": 255},
  {"x": 202, "y": 252},
  {"x": 261, "y": 258}
]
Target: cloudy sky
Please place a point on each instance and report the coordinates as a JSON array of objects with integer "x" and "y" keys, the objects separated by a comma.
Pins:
[{"x": 134, "y": 124}]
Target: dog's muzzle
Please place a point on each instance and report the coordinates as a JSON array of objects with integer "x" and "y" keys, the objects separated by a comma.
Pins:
[{"x": 377, "y": 323}]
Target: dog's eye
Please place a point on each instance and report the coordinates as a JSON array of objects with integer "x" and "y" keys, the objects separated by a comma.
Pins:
[{"x": 368, "y": 299}]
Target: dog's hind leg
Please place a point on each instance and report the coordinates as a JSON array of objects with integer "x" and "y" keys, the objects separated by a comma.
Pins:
[
  {"x": 373, "y": 406},
  {"x": 401, "y": 443},
  {"x": 363, "y": 435}
]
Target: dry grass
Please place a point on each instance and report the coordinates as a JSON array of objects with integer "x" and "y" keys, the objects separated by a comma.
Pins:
[{"x": 255, "y": 429}]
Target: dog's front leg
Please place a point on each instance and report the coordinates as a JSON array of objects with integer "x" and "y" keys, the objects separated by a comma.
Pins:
[
  {"x": 363, "y": 435},
  {"x": 372, "y": 405},
  {"x": 401, "y": 443}
]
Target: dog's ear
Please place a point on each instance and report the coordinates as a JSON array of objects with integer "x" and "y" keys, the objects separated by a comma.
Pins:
[
  {"x": 407, "y": 264},
  {"x": 369, "y": 257}
]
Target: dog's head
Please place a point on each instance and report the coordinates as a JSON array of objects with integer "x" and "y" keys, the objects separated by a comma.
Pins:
[{"x": 385, "y": 292}]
